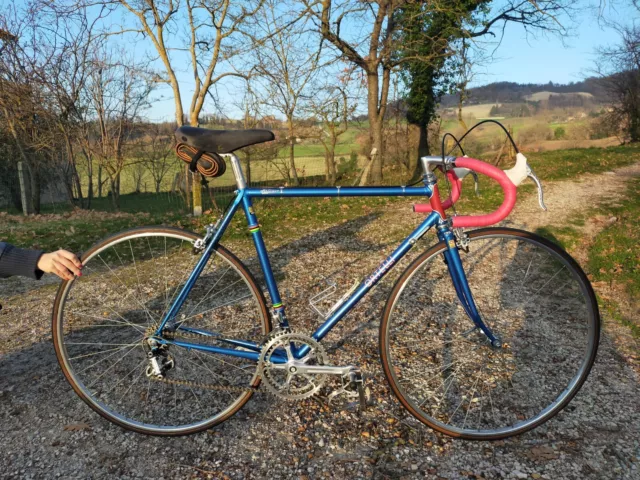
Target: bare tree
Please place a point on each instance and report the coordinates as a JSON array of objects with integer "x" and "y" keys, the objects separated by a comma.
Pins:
[
  {"x": 210, "y": 31},
  {"x": 286, "y": 62},
  {"x": 66, "y": 79},
  {"x": 157, "y": 154},
  {"x": 333, "y": 105},
  {"x": 25, "y": 109},
  {"x": 619, "y": 70},
  {"x": 118, "y": 92},
  {"x": 377, "y": 46},
  {"x": 252, "y": 108}
]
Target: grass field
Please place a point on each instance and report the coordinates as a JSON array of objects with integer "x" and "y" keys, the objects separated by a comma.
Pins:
[
  {"x": 483, "y": 143},
  {"x": 309, "y": 153},
  {"x": 614, "y": 257}
]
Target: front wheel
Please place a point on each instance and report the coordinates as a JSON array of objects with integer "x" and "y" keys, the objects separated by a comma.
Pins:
[
  {"x": 532, "y": 295},
  {"x": 102, "y": 320}
]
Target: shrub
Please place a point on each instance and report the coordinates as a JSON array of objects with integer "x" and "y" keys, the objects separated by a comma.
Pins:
[
  {"x": 345, "y": 166},
  {"x": 559, "y": 133},
  {"x": 604, "y": 126}
]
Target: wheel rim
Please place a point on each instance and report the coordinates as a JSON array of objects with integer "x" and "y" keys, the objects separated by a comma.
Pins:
[
  {"x": 103, "y": 317},
  {"x": 451, "y": 378}
]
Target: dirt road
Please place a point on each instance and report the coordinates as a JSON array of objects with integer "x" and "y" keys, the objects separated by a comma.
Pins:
[{"x": 47, "y": 432}]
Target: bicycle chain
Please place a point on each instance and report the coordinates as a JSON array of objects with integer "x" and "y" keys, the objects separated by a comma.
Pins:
[{"x": 188, "y": 383}]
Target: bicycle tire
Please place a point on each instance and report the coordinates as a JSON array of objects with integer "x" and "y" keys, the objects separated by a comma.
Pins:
[
  {"x": 454, "y": 384},
  {"x": 102, "y": 248}
]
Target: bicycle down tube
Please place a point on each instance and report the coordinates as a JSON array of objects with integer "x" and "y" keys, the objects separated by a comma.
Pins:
[{"x": 244, "y": 198}]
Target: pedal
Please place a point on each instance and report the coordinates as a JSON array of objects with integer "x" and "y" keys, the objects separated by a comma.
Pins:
[
  {"x": 364, "y": 393},
  {"x": 353, "y": 387}
]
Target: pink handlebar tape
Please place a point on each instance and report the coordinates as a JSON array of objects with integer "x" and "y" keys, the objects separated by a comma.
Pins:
[{"x": 477, "y": 220}]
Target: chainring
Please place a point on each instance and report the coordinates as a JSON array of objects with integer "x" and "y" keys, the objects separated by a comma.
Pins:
[{"x": 280, "y": 381}]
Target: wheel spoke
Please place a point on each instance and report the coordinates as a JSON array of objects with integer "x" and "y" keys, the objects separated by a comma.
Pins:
[
  {"x": 531, "y": 296},
  {"x": 109, "y": 357}
]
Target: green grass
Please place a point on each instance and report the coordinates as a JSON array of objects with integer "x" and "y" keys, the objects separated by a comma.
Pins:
[
  {"x": 313, "y": 150},
  {"x": 75, "y": 234},
  {"x": 283, "y": 219},
  {"x": 566, "y": 164},
  {"x": 615, "y": 254},
  {"x": 567, "y": 237}
]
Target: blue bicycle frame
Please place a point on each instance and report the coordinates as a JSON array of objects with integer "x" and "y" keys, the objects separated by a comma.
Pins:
[{"x": 243, "y": 198}]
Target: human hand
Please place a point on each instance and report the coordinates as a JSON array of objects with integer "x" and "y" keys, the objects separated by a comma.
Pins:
[{"x": 62, "y": 263}]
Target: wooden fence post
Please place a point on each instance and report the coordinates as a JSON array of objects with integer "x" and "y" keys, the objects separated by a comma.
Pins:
[{"x": 24, "y": 198}]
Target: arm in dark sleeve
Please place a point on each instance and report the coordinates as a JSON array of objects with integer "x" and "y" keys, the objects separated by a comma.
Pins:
[{"x": 19, "y": 261}]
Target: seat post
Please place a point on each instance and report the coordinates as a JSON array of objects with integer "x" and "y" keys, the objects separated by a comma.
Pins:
[{"x": 237, "y": 170}]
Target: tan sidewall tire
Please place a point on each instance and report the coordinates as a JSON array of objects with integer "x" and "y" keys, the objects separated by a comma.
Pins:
[
  {"x": 56, "y": 328},
  {"x": 384, "y": 347}
]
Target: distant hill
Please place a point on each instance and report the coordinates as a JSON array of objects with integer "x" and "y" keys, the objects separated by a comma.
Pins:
[{"x": 510, "y": 92}]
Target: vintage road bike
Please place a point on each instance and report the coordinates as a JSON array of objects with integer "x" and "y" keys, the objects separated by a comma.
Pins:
[{"x": 486, "y": 334}]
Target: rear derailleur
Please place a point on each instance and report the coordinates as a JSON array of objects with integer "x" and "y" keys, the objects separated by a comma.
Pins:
[{"x": 160, "y": 362}]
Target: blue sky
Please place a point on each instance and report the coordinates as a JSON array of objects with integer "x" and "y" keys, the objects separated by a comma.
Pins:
[
  {"x": 518, "y": 58},
  {"x": 540, "y": 60}
]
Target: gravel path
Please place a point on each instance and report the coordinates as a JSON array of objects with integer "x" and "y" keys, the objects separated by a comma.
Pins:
[{"x": 47, "y": 432}]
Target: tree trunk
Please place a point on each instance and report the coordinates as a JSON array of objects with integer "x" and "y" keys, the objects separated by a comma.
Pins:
[
  {"x": 68, "y": 180},
  {"x": 327, "y": 172},
  {"x": 78, "y": 186},
  {"x": 332, "y": 161},
  {"x": 115, "y": 194},
  {"x": 89, "y": 184},
  {"x": 375, "y": 129},
  {"x": 197, "y": 194},
  {"x": 138, "y": 180},
  {"x": 75, "y": 177},
  {"x": 99, "y": 181},
  {"x": 292, "y": 143},
  {"x": 197, "y": 188},
  {"x": 423, "y": 149},
  {"x": 375, "y": 174},
  {"x": 68, "y": 188},
  {"x": 247, "y": 167}
]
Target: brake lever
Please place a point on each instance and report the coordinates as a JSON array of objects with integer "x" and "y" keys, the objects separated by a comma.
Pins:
[
  {"x": 476, "y": 186},
  {"x": 532, "y": 176}
]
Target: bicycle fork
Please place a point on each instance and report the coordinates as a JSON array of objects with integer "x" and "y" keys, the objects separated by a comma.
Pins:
[{"x": 459, "y": 280}]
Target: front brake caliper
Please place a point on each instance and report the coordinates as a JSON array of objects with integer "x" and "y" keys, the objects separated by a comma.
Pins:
[{"x": 462, "y": 239}]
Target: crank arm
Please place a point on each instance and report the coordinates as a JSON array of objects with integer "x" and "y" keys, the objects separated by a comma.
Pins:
[{"x": 303, "y": 368}]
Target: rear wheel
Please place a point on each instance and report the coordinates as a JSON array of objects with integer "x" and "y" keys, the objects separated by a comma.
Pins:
[
  {"x": 532, "y": 295},
  {"x": 101, "y": 321}
]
